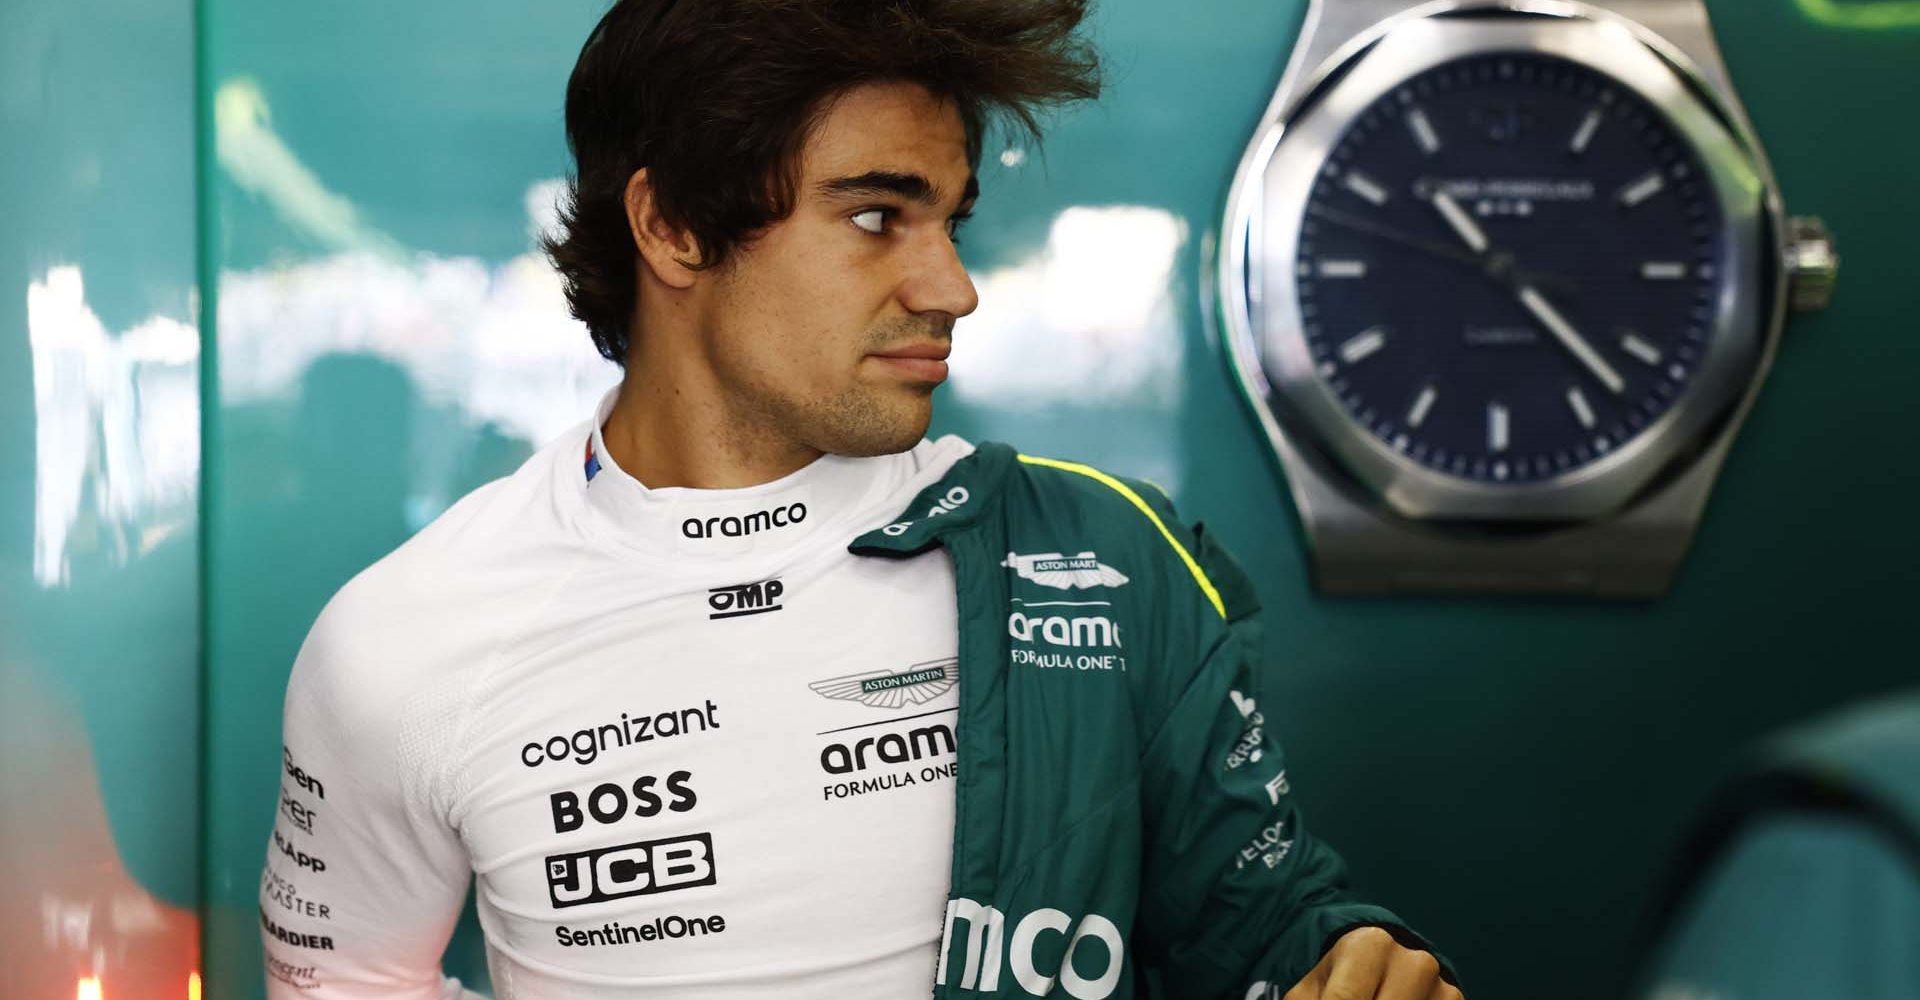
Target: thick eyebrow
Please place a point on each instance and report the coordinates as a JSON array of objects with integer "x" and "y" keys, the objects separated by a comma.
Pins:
[{"x": 907, "y": 185}]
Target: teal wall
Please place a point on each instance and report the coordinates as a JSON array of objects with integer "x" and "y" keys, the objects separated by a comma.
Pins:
[
  {"x": 378, "y": 336},
  {"x": 99, "y": 490}
]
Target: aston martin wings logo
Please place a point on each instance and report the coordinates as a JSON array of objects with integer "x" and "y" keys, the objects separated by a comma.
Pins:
[
  {"x": 916, "y": 685},
  {"x": 1051, "y": 569}
]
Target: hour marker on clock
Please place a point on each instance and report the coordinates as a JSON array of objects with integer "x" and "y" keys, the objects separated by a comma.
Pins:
[
  {"x": 1497, "y": 426},
  {"x": 1582, "y": 410},
  {"x": 1363, "y": 344},
  {"x": 1418, "y": 415},
  {"x": 1423, "y": 132},
  {"x": 1640, "y": 190},
  {"x": 1663, "y": 270},
  {"x": 1366, "y": 187},
  {"x": 1331, "y": 267},
  {"x": 1584, "y": 134},
  {"x": 1640, "y": 349}
]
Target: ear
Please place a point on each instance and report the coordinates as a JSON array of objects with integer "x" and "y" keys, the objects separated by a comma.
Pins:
[{"x": 670, "y": 253}]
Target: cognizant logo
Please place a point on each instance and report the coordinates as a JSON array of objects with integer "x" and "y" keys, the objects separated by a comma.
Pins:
[
  {"x": 584, "y": 746},
  {"x": 733, "y": 526},
  {"x": 1093, "y": 940}
]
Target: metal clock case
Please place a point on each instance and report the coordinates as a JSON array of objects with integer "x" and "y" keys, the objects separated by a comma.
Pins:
[{"x": 1642, "y": 421}]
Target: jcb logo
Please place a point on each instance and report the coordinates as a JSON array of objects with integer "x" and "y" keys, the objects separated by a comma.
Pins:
[
  {"x": 745, "y": 599},
  {"x": 980, "y": 961},
  {"x": 630, "y": 870}
]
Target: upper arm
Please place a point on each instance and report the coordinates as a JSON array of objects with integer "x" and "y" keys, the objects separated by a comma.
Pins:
[{"x": 364, "y": 877}]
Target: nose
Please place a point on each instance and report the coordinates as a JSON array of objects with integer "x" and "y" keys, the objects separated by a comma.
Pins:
[{"x": 938, "y": 282}]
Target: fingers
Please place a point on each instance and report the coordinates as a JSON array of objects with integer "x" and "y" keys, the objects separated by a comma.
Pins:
[
  {"x": 1368, "y": 964},
  {"x": 1411, "y": 975},
  {"x": 1360, "y": 960}
]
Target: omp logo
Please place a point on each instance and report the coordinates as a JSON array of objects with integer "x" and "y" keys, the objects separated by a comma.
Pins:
[
  {"x": 636, "y": 869},
  {"x": 1093, "y": 942},
  {"x": 306, "y": 781},
  {"x": 745, "y": 599},
  {"x": 611, "y": 803},
  {"x": 1075, "y": 631},
  {"x": 733, "y": 526},
  {"x": 1051, "y": 569},
  {"x": 917, "y": 685}
]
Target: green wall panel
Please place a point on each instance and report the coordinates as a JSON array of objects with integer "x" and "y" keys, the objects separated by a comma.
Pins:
[
  {"x": 1509, "y": 774},
  {"x": 99, "y": 489}
]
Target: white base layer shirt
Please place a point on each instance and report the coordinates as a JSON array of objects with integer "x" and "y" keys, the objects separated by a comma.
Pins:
[{"x": 684, "y": 744}]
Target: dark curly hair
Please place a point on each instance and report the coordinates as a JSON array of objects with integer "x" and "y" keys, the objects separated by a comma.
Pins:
[{"x": 717, "y": 98}]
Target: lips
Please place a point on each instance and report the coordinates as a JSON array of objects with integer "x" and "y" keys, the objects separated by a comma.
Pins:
[
  {"x": 919, "y": 363},
  {"x": 925, "y": 352}
]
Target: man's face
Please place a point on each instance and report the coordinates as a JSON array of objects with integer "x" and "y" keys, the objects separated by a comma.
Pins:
[{"x": 806, "y": 321}]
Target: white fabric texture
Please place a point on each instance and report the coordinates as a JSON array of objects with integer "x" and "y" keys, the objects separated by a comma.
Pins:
[{"x": 687, "y": 744}]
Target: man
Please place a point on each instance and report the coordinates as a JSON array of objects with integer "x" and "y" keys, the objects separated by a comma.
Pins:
[{"x": 743, "y": 689}]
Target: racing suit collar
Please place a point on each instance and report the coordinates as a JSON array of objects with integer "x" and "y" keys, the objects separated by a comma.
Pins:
[
  {"x": 699, "y": 523},
  {"x": 956, "y": 501}
]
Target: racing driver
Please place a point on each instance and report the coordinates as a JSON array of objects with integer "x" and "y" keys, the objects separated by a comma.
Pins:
[{"x": 745, "y": 689}]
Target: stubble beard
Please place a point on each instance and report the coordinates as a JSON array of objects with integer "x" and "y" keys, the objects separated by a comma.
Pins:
[{"x": 862, "y": 419}]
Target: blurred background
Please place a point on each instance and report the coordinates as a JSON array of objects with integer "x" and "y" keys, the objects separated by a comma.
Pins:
[{"x": 269, "y": 302}]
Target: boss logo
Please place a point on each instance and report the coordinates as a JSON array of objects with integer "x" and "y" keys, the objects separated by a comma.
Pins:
[
  {"x": 745, "y": 599},
  {"x": 611, "y": 803},
  {"x": 637, "y": 869}
]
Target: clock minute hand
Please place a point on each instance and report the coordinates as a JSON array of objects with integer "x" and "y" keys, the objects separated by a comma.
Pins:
[
  {"x": 1570, "y": 338},
  {"x": 1460, "y": 222}
]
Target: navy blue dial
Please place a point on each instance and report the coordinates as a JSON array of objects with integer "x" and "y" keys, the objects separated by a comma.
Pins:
[{"x": 1509, "y": 266}]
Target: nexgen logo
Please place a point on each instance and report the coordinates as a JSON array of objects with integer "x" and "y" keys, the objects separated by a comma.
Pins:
[{"x": 980, "y": 962}]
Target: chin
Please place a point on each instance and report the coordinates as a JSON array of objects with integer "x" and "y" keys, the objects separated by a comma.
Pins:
[{"x": 879, "y": 431}]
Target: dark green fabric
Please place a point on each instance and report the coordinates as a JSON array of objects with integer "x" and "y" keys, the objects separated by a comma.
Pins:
[
  {"x": 1804, "y": 880},
  {"x": 1141, "y": 796}
]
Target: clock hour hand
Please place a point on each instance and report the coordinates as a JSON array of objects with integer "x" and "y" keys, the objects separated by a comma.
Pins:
[{"x": 1570, "y": 338}]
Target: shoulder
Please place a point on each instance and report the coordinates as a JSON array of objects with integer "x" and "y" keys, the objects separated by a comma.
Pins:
[
  {"x": 440, "y": 603},
  {"x": 1088, "y": 507}
]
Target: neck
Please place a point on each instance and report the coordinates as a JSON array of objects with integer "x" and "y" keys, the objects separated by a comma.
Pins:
[{"x": 674, "y": 428}]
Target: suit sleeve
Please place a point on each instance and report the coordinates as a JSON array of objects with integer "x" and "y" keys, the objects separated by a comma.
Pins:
[
  {"x": 1239, "y": 899},
  {"x": 364, "y": 878}
]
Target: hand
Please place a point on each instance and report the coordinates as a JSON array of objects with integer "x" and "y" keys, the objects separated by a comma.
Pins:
[{"x": 1366, "y": 963}]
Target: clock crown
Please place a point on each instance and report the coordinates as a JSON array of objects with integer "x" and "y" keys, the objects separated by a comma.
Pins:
[{"x": 1812, "y": 263}]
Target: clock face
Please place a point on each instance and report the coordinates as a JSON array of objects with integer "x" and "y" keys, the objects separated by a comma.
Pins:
[{"x": 1508, "y": 267}]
